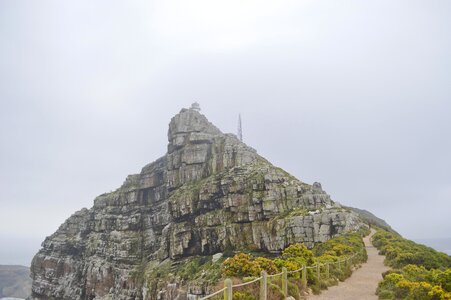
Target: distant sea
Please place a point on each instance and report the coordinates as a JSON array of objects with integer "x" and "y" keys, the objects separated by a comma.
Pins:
[{"x": 442, "y": 245}]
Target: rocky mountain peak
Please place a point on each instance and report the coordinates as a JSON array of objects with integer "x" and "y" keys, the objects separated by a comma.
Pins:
[
  {"x": 198, "y": 149},
  {"x": 190, "y": 125},
  {"x": 210, "y": 193}
]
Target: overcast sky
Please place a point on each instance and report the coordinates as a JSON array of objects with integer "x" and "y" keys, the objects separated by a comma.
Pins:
[{"x": 353, "y": 94}]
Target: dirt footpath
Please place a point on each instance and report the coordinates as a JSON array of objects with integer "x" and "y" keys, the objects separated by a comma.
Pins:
[{"x": 363, "y": 282}]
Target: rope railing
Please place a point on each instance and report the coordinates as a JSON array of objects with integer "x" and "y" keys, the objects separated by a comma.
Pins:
[
  {"x": 294, "y": 271},
  {"x": 247, "y": 282},
  {"x": 274, "y": 275},
  {"x": 228, "y": 286},
  {"x": 215, "y": 293}
]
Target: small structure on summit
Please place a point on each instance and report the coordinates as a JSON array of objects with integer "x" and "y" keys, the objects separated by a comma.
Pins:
[{"x": 195, "y": 106}]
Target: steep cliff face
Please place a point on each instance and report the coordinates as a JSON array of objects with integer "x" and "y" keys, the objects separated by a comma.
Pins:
[{"x": 210, "y": 193}]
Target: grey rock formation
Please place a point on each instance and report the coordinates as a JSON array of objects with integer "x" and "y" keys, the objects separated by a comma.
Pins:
[{"x": 209, "y": 194}]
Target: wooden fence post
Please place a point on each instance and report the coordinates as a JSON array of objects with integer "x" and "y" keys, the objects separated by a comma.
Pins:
[
  {"x": 318, "y": 272},
  {"x": 285, "y": 282},
  {"x": 263, "y": 286},
  {"x": 304, "y": 276},
  {"x": 228, "y": 291}
]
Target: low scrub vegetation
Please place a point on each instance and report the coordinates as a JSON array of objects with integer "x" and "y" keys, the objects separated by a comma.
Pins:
[
  {"x": 419, "y": 272},
  {"x": 244, "y": 266}
]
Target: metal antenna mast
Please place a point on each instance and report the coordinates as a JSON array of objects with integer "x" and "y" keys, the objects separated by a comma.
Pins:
[{"x": 240, "y": 129}]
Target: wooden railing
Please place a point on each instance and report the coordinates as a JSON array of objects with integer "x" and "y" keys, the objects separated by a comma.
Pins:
[{"x": 228, "y": 288}]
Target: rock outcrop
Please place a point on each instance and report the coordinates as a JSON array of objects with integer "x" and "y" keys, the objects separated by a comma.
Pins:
[{"x": 209, "y": 194}]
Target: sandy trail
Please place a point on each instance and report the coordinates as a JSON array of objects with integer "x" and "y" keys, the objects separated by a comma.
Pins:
[{"x": 363, "y": 282}]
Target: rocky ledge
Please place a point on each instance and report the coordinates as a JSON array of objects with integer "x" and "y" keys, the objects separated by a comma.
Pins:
[{"x": 209, "y": 194}]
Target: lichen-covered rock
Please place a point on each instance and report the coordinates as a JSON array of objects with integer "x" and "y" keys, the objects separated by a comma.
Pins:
[{"x": 209, "y": 194}]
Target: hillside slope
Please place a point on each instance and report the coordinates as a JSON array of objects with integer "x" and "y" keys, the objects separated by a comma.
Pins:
[{"x": 371, "y": 219}]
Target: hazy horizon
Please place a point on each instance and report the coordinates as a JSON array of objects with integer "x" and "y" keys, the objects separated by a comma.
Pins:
[{"x": 354, "y": 95}]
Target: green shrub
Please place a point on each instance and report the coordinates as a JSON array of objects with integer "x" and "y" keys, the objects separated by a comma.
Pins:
[
  {"x": 243, "y": 296},
  {"x": 192, "y": 267},
  {"x": 400, "y": 252},
  {"x": 420, "y": 272},
  {"x": 298, "y": 251},
  {"x": 266, "y": 264},
  {"x": 240, "y": 265},
  {"x": 274, "y": 291},
  {"x": 294, "y": 257},
  {"x": 437, "y": 293},
  {"x": 293, "y": 290},
  {"x": 442, "y": 278},
  {"x": 390, "y": 281},
  {"x": 344, "y": 245},
  {"x": 243, "y": 265},
  {"x": 386, "y": 294},
  {"x": 414, "y": 290},
  {"x": 415, "y": 273}
]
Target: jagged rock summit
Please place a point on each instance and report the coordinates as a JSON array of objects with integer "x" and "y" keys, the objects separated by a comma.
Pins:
[{"x": 209, "y": 194}]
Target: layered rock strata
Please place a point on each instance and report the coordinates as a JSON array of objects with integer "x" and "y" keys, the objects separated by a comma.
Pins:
[{"x": 210, "y": 193}]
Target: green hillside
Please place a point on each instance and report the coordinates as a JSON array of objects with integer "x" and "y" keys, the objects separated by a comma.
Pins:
[{"x": 418, "y": 271}]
